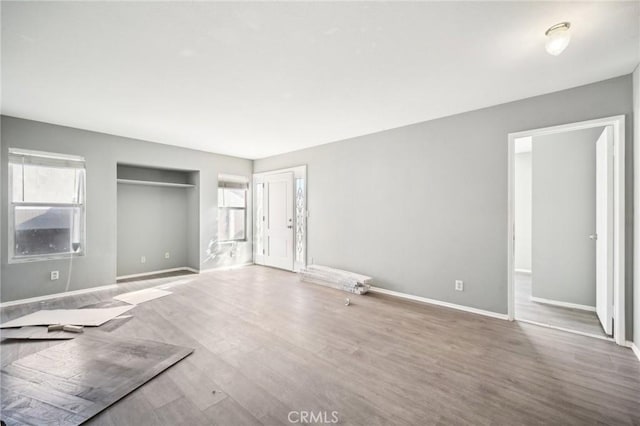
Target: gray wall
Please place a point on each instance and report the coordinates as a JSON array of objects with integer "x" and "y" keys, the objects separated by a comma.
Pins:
[
  {"x": 563, "y": 216},
  {"x": 522, "y": 211},
  {"x": 102, "y": 153},
  {"x": 152, "y": 220},
  {"x": 420, "y": 206},
  {"x": 636, "y": 138},
  {"x": 155, "y": 175}
]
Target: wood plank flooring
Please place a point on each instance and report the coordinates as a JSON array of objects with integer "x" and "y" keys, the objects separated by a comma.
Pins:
[
  {"x": 68, "y": 384},
  {"x": 572, "y": 319},
  {"x": 267, "y": 344}
]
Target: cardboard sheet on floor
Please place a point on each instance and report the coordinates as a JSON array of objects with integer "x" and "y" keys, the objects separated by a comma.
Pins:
[
  {"x": 124, "y": 317},
  {"x": 141, "y": 296},
  {"x": 88, "y": 317},
  {"x": 115, "y": 323},
  {"x": 69, "y": 383},
  {"x": 35, "y": 333}
]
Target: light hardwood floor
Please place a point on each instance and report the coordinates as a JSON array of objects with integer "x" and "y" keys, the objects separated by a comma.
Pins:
[
  {"x": 572, "y": 319},
  {"x": 268, "y": 345}
]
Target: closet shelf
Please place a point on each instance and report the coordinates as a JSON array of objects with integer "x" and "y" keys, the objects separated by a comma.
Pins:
[{"x": 155, "y": 183}]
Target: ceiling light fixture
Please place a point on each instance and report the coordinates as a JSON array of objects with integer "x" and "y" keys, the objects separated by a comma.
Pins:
[{"x": 558, "y": 38}]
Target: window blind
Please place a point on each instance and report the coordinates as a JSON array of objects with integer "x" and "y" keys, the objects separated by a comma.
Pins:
[{"x": 39, "y": 158}]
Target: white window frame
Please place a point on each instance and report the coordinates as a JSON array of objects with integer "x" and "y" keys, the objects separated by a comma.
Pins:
[
  {"x": 234, "y": 182},
  {"x": 47, "y": 159}
]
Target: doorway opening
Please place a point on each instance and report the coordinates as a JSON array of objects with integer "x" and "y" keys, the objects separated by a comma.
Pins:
[
  {"x": 280, "y": 224},
  {"x": 566, "y": 227}
]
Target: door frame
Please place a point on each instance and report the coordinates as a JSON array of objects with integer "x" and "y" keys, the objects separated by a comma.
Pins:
[
  {"x": 299, "y": 172},
  {"x": 618, "y": 125}
]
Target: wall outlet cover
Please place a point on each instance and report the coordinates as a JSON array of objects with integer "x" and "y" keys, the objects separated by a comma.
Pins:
[
  {"x": 459, "y": 285},
  {"x": 167, "y": 255},
  {"x": 55, "y": 275},
  {"x": 143, "y": 259}
]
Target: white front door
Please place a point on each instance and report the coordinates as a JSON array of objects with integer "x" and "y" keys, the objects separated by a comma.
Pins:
[
  {"x": 604, "y": 229},
  {"x": 278, "y": 221}
]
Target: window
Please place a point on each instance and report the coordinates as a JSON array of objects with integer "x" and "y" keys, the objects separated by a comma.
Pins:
[
  {"x": 259, "y": 216},
  {"x": 300, "y": 218},
  {"x": 232, "y": 210},
  {"x": 47, "y": 205}
]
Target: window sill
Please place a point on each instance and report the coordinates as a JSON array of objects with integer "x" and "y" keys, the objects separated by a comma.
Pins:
[{"x": 29, "y": 259}]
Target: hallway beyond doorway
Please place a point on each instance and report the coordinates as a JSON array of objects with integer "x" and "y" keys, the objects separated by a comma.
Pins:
[{"x": 557, "y": 316}]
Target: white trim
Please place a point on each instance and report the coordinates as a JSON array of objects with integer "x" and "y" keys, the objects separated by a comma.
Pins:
[
  {"x": 233, "y": 178},
  {"x": 563, "y": 304},
  {"x": 523, "y": 271},
  {"x": 511, "y": 211},
  {"x": 617, "y": 123},
  {"x": 161, "y": 271},
  {"x": 439, "y": 303},
  {"x": 568, "y": 330},
  {"x": 635, "y": 349},
  {"x": 56, "y": 295}
]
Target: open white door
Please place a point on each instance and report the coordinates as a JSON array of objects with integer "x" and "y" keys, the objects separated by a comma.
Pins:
[
  {"x": 278, "y": 244},
  {"x": 604, "y": 229}
]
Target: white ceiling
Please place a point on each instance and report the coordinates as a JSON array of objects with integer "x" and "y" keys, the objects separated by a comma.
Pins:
[{"x": 258, "y": 79}]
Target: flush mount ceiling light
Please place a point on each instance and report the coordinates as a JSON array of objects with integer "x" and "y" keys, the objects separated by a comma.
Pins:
[{"x": 558, "y": 37}]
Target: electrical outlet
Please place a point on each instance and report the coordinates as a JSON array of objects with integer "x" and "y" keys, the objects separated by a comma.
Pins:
[
  {"x": 143, "y": 259},
  {"x": 459, "y": 285},
  {"x": 55, "y": 275},
  {"x": 167, "y": 255}
]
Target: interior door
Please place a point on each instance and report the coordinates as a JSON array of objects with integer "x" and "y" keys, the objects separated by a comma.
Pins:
[
  {"x": 604, "y": 230},
  {"x": 278, "y": 244},
  {"x": 563, "y": 200}
]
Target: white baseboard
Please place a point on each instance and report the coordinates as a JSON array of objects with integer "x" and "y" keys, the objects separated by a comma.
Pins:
[
  {"x": 563, "y": 304},
  {"x": 568, "y": 330},
  {"x": 188, "y": 268},
  {"x": 111, "y": 286},
  {"x": 523, "y": 271},
  {"x": 161, "y": 271},
  {"x": 56, "y": 295},
  {"x": 634, "y": 348},
  {"x": 439, "y": 303}
]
